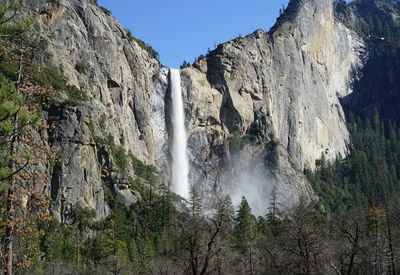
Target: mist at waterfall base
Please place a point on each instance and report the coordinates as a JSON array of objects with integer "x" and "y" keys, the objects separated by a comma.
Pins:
[
  {"x": 251, "y": 180},
  {"x": 180, "y": 163}
]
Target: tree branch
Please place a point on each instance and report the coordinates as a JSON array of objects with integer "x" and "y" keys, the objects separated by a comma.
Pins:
[{"x": 15, "y": 172}]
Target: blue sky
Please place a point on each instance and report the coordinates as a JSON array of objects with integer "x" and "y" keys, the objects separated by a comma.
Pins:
[{"x": 183, "y": 29}]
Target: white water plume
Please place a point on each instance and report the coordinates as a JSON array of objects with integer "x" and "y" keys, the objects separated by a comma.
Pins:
[{"x": 180, "y": 163}]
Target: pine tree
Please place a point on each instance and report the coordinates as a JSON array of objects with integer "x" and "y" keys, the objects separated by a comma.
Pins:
[
  {"x": 244, "y": 233},
  {"x": 378, "y": 25},
  {"x": 195, "y": 202},
  {"x": 225, "y": 213},
  {"x": 273, "y": 210},
  {"x": 14, "y": 117},
  {"x": 243, "y": 222}
]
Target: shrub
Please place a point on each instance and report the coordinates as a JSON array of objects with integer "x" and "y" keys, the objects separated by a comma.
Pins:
[
  {"x": 91, "y": 127},
  {"x": 237, "y": 143},
  {"x": 106, "y": 11},
  {"x": 54, "y": 78},
  {"x": 81, "y": 67},
  {"x": 120, "y": 158},
  {"x": 103, "y": 121},
  {"x": 75, "y": 95},
  {"x": 256, "y": 130},
  {"x": 185, "y": 64},
  {"x": 50, "y": 78},
  {"x": 129, "y": 34},
  {"x": 272, "y": 145},
  {"x": 142, "y": 170},
  {"x": 82, "y": 216},
  {"x": 153, "y": 53}
]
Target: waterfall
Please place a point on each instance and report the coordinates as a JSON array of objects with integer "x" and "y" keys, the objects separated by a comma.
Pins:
[{"x": 180, "y": 164}]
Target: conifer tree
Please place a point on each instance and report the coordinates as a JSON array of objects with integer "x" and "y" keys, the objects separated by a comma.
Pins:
[
  {"x": 273, "y": 210},
  {"x": 195, "y": 202},
  {"x": 225, "y": 212},
  {"x": 244, "y": 232}
]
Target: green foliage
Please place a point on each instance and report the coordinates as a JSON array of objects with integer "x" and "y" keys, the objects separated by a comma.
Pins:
[
  {"x": 10, "y": 27},
  {"x": 120, "y": 157},
  {"x": 368, "y": 174},
  {"x": 195, "y": 202},
  {"x": 144, "y": 171},
  {"x": 244, "y": 226},
  {"x": 106, "y": 11},
  {"x": 123, "y": 159},
  {"x": 75, "y": 95},
  {"x": 91, "y": 127},
  {"x": 20, "y": 114},
  {"x": 237, "y": 143},
  {"x": 54, "y": 78},
  {"x": 185, "y": 64},
  {"x": 225, "y": 209},
  {"x": 83, "y": 217},
  {"x": 14, "y": 117},
  {"x": 93, "y": 133},
  {"x": 59, "y": 242},
  {"x": 153, "y": 53},
  {"x": 130, "y": 236},
  {"x": 81, "y": 67},
  {"x": 51, "y": 78},
  {"x": 273, "y": 215},
  {"x": 102, "y": 121}
]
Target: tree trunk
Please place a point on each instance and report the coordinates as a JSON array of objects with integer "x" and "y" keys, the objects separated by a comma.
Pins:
[
  {"x": 391, "y": 250},
  {"x": 9, "y": 234},
  {"x": 9, "y": 229},
  {"x": 10, "y": 211}
]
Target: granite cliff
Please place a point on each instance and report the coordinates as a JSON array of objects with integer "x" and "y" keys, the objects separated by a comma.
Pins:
[{"x": 260, "y": 109}]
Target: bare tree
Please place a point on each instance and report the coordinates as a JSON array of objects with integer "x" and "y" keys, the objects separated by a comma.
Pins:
[
  {"x": 302, "y": 242},
  {"x": 348, "y": 232},
  {"x": 202, "y": 247}
]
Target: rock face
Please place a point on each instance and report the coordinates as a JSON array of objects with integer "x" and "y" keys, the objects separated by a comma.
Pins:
[
  {"x": 259, "y": 109},
  {"x": 281, "y": 87},
  {"x": 377, "y": 86},
  {"x": 119, "y": 79}
]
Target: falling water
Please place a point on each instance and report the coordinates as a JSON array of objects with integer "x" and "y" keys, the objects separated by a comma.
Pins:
[{"x": 180, "y": 164}]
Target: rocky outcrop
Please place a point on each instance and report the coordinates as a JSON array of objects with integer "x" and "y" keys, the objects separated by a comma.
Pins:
[
  {"x": 259, "y": 109},
  {"x": 77, "y": 174}
]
